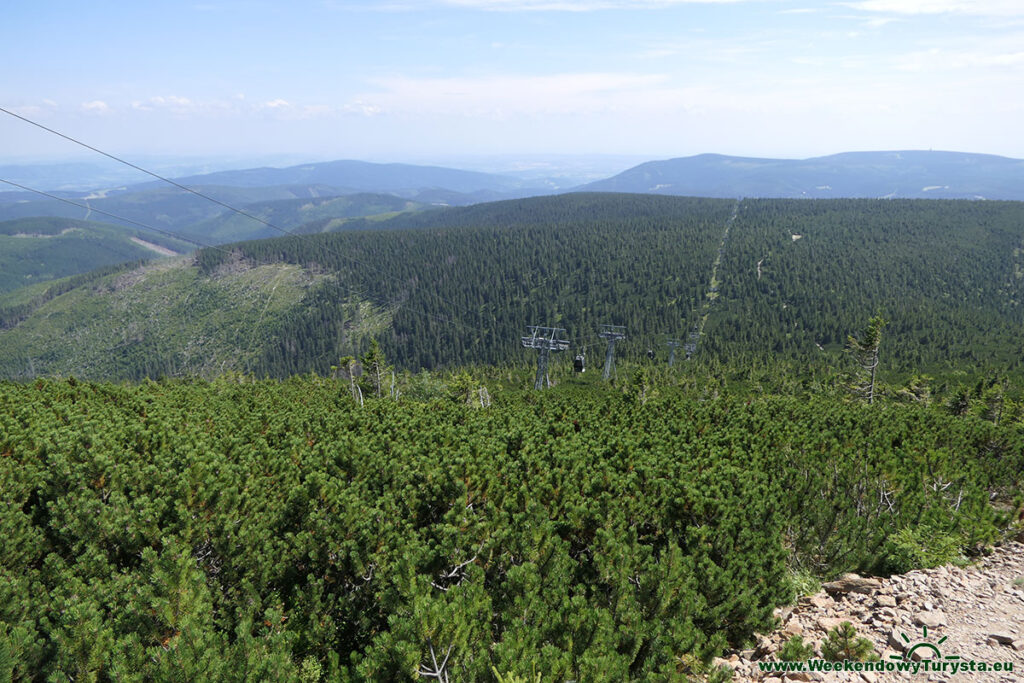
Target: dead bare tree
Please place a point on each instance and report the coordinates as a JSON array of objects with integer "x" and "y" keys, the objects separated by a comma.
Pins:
[{"x": 438, "y": 671}]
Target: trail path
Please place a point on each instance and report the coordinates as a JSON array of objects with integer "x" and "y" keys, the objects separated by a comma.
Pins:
[
  {"x": 966, "y": 613},
  {"x": 712, "y": 293}
]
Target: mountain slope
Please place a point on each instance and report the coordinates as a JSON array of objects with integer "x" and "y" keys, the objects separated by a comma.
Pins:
[
  {"x": 34, "y": 250},
  {"x": 362, "y": 176},
  {"x": 909, "y": 174},
  {"x": 760, "y": 282},
  {"x": 288, "y": 214},
  {"x": 450, "y": 295},
  {"x": 165, "y": 318},
  {"x": 165, "y": 207}
]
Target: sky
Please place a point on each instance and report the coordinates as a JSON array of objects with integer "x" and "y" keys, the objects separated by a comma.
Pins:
[{"x": 435, "y": 80}]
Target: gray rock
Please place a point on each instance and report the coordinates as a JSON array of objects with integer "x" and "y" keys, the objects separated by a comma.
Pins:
[
  {"x": 885, "y": 601},
  {"x": 922, "y": 653},
  {"x": 896, "y": 641},
  {"x": 817, "y": 600},
  {"x": 793, "y": 628},
  {"x": 826, "y": 624},
  {"x": 930, "y": 619},
  {"x": 852, "y": 583}
]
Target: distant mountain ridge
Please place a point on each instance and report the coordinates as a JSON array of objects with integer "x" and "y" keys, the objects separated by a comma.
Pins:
[
  {"x": 315, "y": 214},
  {"x": 170, "y": 208},
  {"x": 902, "y": 174},
  {"x": 313, "y": 194},
  {"x": 360, "y": 176}
]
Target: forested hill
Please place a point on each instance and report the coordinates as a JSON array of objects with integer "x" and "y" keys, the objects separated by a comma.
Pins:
[
  {"x": 764, "y": 282},
  {"x": 900, "y": 174},
  {"x": 36, "y": 250},
  {"x": 326, "y": 213},
  {"x": 448, "y": 295},
  {"x": 361, "y": 176},
  {"x": 463, "y": 284}
]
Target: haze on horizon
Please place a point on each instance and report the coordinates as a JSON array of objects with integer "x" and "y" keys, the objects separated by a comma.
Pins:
[{"x": 427, "y": 81}]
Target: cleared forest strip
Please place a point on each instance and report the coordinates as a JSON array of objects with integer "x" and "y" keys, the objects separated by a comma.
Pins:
[{"x": 712, "y": 292}]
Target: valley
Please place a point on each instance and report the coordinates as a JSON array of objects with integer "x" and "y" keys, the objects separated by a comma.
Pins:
[
  {"x": 512, "y": 341},
  {"x": 318, "y": 456},
  {"x": 457, "y": 286}
]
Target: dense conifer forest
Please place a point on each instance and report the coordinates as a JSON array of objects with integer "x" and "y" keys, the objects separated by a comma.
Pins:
[
  {"x": 751, "y": 283},
  {"x": 793, "y": 279},
  {"x": 240, "y": 530}
]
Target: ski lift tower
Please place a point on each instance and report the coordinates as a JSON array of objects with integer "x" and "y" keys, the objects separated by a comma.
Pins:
[
  {"x": 545, "y": 340},
  {"x": 672, "y": 344},
  {"x": 612, "y": 333},
  {"x": 691, "y": 345}
]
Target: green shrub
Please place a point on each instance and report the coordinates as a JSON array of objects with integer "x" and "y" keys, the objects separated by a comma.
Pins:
[
  {"x": 843, "y": 644},
  {"x": 804, "y": 581},
  {"x": 513, "y": 678},
  {"x": 796, "y": 650},
  {"x": 720, "y": 674},
  {"x": 919, "y": 548}
]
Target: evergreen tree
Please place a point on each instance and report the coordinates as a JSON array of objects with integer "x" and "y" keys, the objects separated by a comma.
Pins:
[
  {"x": 865, "y": 352},
  {"x": 843, "y": 644},
  {"x": 375, "y": 369}
]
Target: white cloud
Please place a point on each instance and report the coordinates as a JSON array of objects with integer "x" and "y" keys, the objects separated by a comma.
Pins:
[
  {"x": 180, "y": 106},
  {"x": 362, "y": 107},
  {"x": 630, "y": 96},
  {"x": 96, "y": 107},
  {"x": 996, "y": 8},
  {"x": 576, "y": 5},
  {"x": 504, "y": 95},
  {"x": 878, "y": 22},
  {"x": 284, "y": 110},
  {"x": 237, "y": 105},
  {"x": 659, "y": 53},
  {"x": 519, "y": 5},
  {"x": 47, "y": 106},
  {"x": 172, "y": 103},
  {"x": 944, "y": 60}
]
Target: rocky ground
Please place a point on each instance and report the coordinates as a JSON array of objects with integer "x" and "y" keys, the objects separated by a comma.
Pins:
[{"x": 970, "y": 613}]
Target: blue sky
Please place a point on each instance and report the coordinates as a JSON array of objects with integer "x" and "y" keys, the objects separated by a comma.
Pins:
[{"x": 431, "y": 80}]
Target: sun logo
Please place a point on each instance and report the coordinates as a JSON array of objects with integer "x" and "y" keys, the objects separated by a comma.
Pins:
[{"x": 923, "y": 644}]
